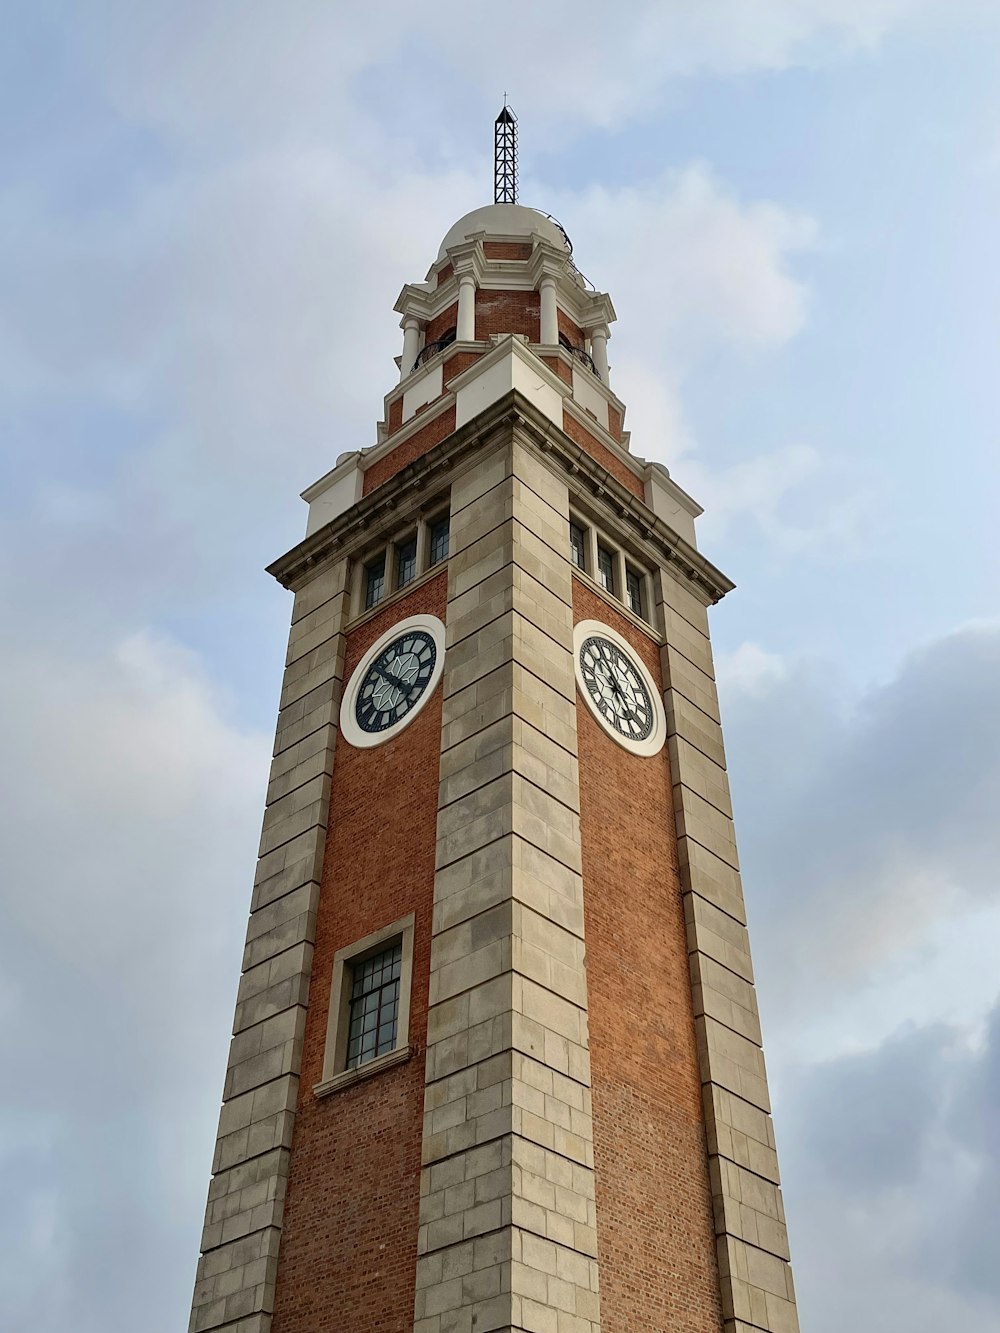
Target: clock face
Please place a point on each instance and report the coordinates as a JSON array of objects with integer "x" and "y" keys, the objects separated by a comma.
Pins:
[
  {"x": 393, "y": 681},
  {"x": 618, "y": 688}
]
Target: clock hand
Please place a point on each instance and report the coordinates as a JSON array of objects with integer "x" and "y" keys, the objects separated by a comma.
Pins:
[{"x": 396, "y": 682}]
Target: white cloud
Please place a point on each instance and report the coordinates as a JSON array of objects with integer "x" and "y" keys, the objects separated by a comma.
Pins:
[
  {"x": 132, "y": 803},
  {"x": 877, "y": 823}
]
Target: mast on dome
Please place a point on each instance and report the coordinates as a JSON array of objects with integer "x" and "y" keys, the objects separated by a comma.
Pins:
[{"x": 505, "y": 156}]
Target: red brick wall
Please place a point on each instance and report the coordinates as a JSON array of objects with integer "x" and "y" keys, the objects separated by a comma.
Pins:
[
  {"x": 418, "y": 443},
  {"x": 655, "y": 1232},
  {"x": 614, "y": 422},
  {"x": 561, "y": 368},
  {"x": 395, "y": 418},
  {"x": 572, "y": 331},
  {"x": 440, "y": 324},
  {"x": 507, "y": 312},
  {"x": 444, "y": 273},
  {"x": 507, "y": 249},
  {"x": 459, "y": 362},
  {"x": 619, "y": 470},
  {"x": 348, "y": 1249}
]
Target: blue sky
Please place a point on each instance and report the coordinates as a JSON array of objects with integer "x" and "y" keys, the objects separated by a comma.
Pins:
[{"x": 207, "y": 212}]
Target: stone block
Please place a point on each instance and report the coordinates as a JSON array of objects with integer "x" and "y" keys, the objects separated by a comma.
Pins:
[
  {"x": 321, "y": 586},
  {"x": 703, "y": 823},
  {"x": 692, "y": 768},
  {"x": 694, "y": 726},
  {"x": 717, "y": 935},
  {"x": 711, "y": 878}
]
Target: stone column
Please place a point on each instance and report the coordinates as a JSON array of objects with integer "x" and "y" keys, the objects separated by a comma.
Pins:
[
  {"x": 549, "y": 314},
  {"x": 507, "y": 1236},
  {"x": 751, "y": 1240},
  {"x": 236, "y": 1272},
  {"x": 466, "y": 330},
  {"x": 599, "y": 352},
  {"x": 411, "y": 346}
]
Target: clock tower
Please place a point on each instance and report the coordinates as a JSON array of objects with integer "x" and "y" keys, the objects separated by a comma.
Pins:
[{"x": 496, "y": 1061}]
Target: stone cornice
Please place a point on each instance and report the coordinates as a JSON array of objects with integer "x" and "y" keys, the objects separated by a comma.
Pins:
[{"x": 385, "y": 506}]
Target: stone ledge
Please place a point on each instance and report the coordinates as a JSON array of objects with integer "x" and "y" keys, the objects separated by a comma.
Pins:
[{"x": 351, "y": 1076}]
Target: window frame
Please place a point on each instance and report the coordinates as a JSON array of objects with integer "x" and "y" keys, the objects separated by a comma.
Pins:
[
  {"x": 335, "y": 1072},
  {"x": 399, "y": 545},
  {"x": 581, "y": 546},
  {"x": 598, "y": 546},
  {"x": 388, "y": 551},
  {"x": 366, "y": 581}
]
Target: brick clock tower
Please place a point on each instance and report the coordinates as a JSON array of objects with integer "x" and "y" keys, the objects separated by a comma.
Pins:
[{"x": 497, "y": 1060}]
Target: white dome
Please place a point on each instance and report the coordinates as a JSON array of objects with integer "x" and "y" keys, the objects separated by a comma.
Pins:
[{"x": 502, "y": 220}]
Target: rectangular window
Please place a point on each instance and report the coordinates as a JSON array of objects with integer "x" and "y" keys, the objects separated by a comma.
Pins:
[
  {"x": 606, "y": 569},
  {"x": 577, "y": 546},
  {"x": 438, "y": 545},
  {"x": 374, "y": 582},
  {"x": 633, "y": 583},
  {"x": 406, "y": 562},
  {"x": 374, "y": 1005}
]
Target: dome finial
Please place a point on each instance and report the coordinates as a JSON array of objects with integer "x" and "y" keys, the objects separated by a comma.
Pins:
[{"x": 505, "y": 156}]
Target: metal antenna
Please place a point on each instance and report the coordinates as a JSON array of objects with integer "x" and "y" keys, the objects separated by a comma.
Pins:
[{"x": 505, "y": 156}]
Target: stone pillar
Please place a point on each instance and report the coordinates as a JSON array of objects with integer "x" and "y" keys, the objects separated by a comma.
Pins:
[
  {"x": 507, "y": 1234},
  {"x": 466, "y": 331},
  {"x": 751, "y": 1240},
  {"x": 236, "y": 1272},
  {"x": 599, "y": 352},
  {"x": 549, "y": 315},
  {"x": 411, "y": 346}
]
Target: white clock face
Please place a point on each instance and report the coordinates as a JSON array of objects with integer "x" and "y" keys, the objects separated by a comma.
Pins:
[
  {"x": 393, "y": 681},
  {"x": 618, "y": 688}
]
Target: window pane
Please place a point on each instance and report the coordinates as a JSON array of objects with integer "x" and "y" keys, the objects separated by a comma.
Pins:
[
  {"x": 439, "y": 540},
  {"x": 374, "y": 582},
  {"x": 606, "y": 568},
  {"x": 577, "y": 548},
  {"x": 634, "y": 582},
  {"x": 406, "y": 562},
  {"x": 374, "y": 1006}
]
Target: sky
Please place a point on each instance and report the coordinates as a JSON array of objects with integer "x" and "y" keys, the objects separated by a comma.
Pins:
[{"x": 207, "y": 212}]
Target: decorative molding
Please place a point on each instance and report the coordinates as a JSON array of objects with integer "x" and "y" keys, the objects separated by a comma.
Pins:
[
  {"x": 352, "y": 530},
  {"x": 351, "y": 1076}
]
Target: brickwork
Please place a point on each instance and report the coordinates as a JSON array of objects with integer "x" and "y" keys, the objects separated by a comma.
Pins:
[
  {"x": 507, "y": 249},
  {"x": 459, "y": 362},
  {"x": 394, "y": 418},
  {"x": 440, "y": 324},
  {"x": 561, "y": 368},
  {"x": 436, "y": 430},
  {"x": 444, "y": 273},
  {"x": 350, "y": 1225},
  {"x": 508, "y": 312},
  {"x": 569, "y": 329},
  {"x": 597, "y": 449},
  {"x": 654, "y": 1202},
  {"x": 614, "y": 421}
]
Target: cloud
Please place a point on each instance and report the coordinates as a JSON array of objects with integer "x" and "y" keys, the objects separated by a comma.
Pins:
[
  {"x": 866, "y": 822},
  {"x": 250, "y": 72},
  {"x": 132, "y": 804},
  {"x": 891, "y": 1162}
]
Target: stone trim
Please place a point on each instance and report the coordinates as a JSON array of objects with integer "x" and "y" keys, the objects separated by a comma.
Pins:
[
  {"x": 635, "y": 525},
  {"x": 751, "y": 1241},
  {"x": 507, "y": 1234},
  {"x": 238, "y": 1265},
  {"x": 335, "y": 1056},
  {"x": 348, "y": 1077}
]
